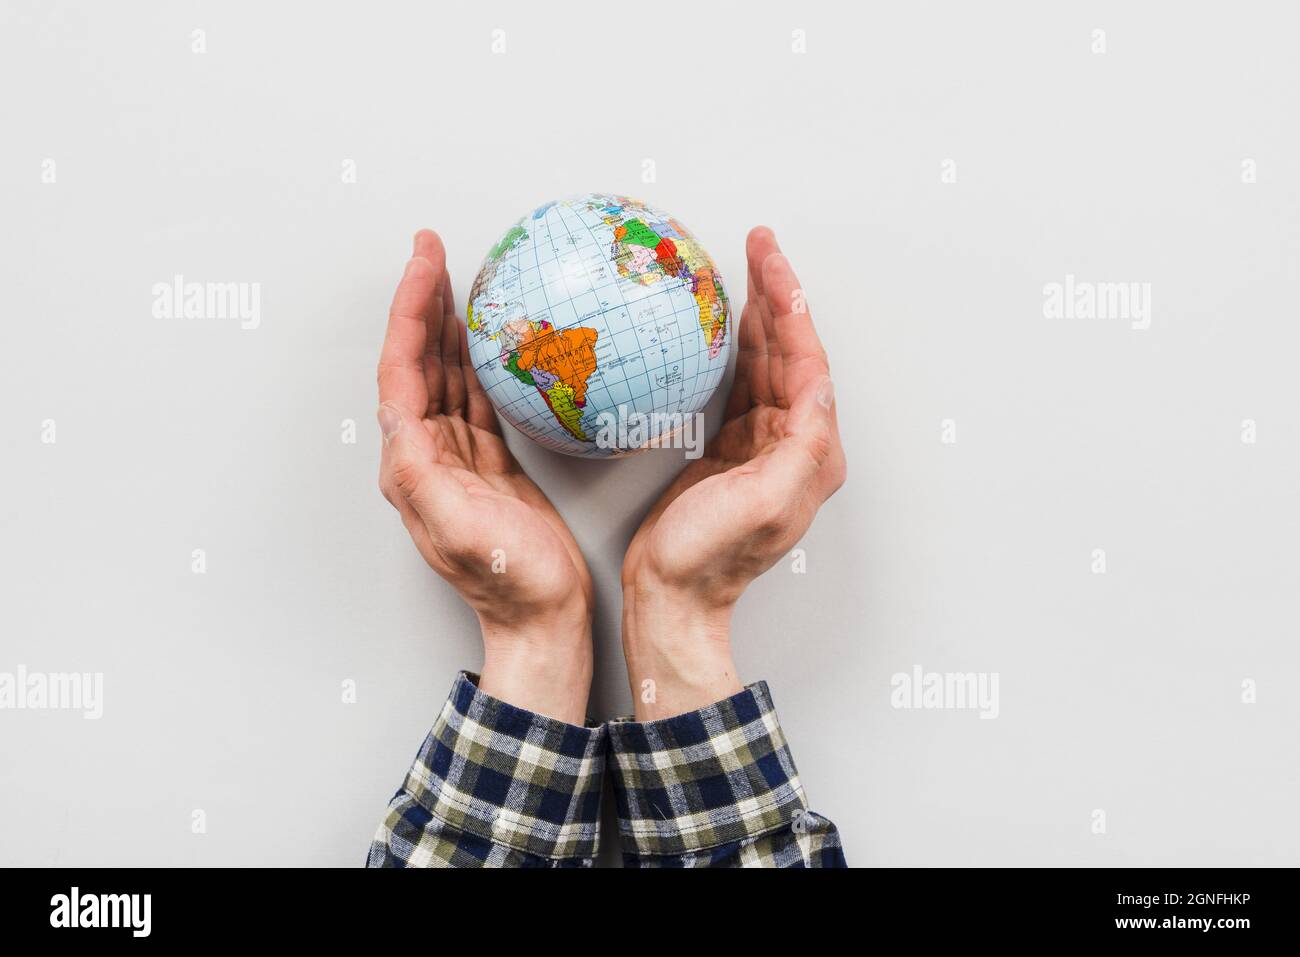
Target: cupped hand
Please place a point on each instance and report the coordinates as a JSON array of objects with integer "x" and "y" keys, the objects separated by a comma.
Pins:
[
  {"x": 733, "y": 513},
  {"x": 473, "y": 513}
]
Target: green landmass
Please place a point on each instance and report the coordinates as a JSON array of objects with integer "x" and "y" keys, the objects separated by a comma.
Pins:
[
  {"x": 641, "y": 234},
  {"x": 515, "y": 234},
  {"x": 523, "y": 375}
]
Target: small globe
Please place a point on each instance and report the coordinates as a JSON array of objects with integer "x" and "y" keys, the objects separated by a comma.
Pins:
[{"x": 599, "y": 326}]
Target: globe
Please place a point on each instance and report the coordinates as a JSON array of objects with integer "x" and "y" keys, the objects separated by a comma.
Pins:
[{"x": 599, "y": 326}]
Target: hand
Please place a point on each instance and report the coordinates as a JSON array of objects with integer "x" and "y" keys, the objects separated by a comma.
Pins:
[
  {"x": 733, "y": 513},
  {"x": 477, "y": 519}
]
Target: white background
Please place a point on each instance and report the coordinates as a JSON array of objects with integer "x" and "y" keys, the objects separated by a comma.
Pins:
[{"x": 1120, "y": 692}]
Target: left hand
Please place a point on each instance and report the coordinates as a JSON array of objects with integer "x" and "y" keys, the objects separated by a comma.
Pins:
[{"x": 479, "y": 521}]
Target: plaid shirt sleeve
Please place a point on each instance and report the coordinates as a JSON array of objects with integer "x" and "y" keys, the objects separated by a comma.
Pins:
[
  {"x": 715, "y": 788},
  {"x": 496, "y": 786}
]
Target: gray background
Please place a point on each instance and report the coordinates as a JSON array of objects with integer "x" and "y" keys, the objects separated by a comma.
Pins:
[{"x": 1119, "y": 692}]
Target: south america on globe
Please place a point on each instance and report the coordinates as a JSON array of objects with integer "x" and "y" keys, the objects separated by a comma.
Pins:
[{"x": 599, "y": 326}]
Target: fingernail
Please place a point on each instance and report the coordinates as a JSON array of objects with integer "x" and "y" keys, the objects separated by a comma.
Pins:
[
  {"x": 410, "y": 267},
  {"x": 778, "y": 260},
  {"x": 390, "y": 420},
  {"x": 826, "y": 394}
]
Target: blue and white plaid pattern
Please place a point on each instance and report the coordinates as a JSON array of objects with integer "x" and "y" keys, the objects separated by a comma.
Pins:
[
  {"x": 498, "y": 786},
  {"x": 495, "y": 785},
  {"x": 715, "y": 787}
]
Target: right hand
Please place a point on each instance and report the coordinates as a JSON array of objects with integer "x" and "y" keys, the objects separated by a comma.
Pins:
[{"x": 732, "y": 514}]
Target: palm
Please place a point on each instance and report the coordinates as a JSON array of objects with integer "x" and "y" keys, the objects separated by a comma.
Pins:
[{"x": 509, "y": 511}]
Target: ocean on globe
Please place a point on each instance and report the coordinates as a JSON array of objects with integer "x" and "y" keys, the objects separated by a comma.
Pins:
[{"x": 599, "y": 326}]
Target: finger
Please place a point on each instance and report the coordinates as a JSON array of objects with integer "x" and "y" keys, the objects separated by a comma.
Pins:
[
  {"x": 401, "y": 372},
  {"x": 411, "y": 477},
  {"x": 761, "y": 244},
  {"x": 448, "y": 299},
  {"x": 810, "y": 457},
  {"x": 390, "y": 419},
  {"x": 428, "y": 245},
  {"x": 803, "y": 359},
  {"x": 453, "y": 375},
  {"x": 751, "y": 380},
  {"x": 478, "y": 407},
  {"x": 760, "y": 380},
  {"x": 738, "y": 399}
]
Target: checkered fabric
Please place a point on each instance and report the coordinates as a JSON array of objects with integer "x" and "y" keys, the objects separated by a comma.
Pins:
[
  {"x": 496, "y": 786},
  {"x": 715, "y": 788}
]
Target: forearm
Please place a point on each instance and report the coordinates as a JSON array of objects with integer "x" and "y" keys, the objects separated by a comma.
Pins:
[
  {"x": 678, "y": 649},
  {"x": 542, "y": 663},
  {"x": 703, "y": 774}
]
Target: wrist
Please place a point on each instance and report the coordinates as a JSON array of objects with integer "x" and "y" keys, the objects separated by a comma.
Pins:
[
  {"x": 678, "y": 649},
  {"x": 542, "y": 663}
]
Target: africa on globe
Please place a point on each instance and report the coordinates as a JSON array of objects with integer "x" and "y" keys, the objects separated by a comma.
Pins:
[{"x": 599, "y": 326}]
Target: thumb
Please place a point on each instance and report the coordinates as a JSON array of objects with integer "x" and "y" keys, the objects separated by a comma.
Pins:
[
  {"x": 812, "y": 420},
  {"x": 409, "y": 472},
  {"x": 802, "y": 459}
]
